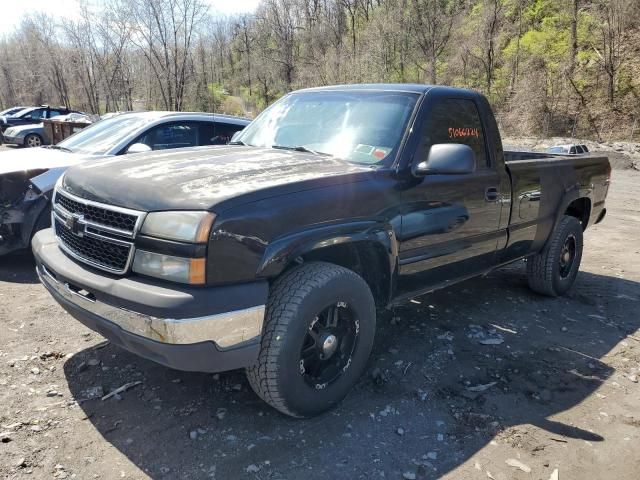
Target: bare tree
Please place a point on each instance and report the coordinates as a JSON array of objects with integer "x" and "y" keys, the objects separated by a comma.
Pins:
[
  {"x": 431, "y": 22},
  {"x": 243, "y": 32},
  {"x": 164, "y": 31},
  {"x": 615, "y": 16}
]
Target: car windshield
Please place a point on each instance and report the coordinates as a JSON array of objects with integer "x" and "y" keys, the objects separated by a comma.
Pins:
[
  {"x": 11, "y": 111},
  {"x": 359, "y": 126},
  {"x": 101, "y": 137},
  {"x": 23, "y": 112}
]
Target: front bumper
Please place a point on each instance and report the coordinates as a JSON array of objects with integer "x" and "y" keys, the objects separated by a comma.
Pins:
[
  {"x": 13, "y": 140},
  {"x": 196, "y": 329}
]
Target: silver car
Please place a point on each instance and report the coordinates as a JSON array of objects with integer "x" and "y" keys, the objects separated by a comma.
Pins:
[
  {"x": 569, "y": 149},
  {"x": 28, "y": 176},
  {"x": 26, "y": 135}
]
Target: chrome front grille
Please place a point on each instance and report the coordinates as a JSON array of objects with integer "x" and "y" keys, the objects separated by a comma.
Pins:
[
  {"x": 94, "y": 233},
  {"x": 102, "y": 215}
]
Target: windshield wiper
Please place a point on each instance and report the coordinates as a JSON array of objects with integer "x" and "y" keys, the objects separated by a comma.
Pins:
[
  {"x": 300, "y": 148},
  {"x": 58, "y": 147}
]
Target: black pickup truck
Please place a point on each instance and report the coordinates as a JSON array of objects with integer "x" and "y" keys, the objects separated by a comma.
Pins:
[{"x": 273, "y": 253}]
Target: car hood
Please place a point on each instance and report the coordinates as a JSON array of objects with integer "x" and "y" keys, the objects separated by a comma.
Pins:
[
  {"x": 43, "y": 158},
  {"x": 202, "y": 177}
]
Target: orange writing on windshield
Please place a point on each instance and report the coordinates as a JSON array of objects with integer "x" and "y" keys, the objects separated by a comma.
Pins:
[{"x": 463, "y": 132}]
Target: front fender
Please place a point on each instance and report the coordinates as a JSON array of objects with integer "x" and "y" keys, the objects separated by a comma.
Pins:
[
  {"x": 33, "y": 210},
  {"x": 281, "y": 252}
]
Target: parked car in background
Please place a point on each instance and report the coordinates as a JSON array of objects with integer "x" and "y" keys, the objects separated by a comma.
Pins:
[
  {"x": 26, "y": 135},
  {"x": 569, "y": 149},
  {"x": 11, "y": 111},
  {"x": 35, "y": 135},
  {"x": 32, "y": 115},
  {"x": 28, "y": 176}
]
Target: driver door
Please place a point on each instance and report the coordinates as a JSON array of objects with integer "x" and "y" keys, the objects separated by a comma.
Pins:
[{"x": 450, "y": 223}]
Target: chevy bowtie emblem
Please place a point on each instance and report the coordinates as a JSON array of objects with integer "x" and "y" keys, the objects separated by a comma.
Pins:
[{"x": 75, "y": 223}]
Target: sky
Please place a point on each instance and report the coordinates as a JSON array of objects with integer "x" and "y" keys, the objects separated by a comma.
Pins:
[{"x": 12, "y": 11}]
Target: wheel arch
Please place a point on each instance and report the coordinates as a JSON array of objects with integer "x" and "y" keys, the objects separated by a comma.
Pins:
[
  {"x": 580, "y": 208},
  {"x": 371, "y": 252},
  {"x": 33, "y": 134}
]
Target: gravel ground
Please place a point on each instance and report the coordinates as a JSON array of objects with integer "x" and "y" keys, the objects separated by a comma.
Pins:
[{"x": 481, "y": 380}]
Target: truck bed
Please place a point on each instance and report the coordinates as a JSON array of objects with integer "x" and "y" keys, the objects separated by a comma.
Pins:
[{"x": 540, "y": 182}]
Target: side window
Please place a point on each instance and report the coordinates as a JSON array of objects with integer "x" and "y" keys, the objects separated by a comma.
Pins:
[
  {"x": 218, "y": 133},
  {"x": 54, "y": 113},
  {"x": 207, "y": 133},
  {"x": 224, "y": 132},
  {"x": 37, "y": 114},
  {"x": 455, "y": 121},
  {"x": 572, "y": 151},
  {"x": 170, "y": 135}
]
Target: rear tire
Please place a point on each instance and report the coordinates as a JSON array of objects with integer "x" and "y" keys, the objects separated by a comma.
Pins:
[
  {"x": 309, "y": 359},
  {"x": 33, "y": 140},
  {"x": 553, "y": 271}
]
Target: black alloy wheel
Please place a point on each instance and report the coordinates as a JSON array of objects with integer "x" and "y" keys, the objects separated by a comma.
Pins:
[
  {"x": 567, "y": 256},
  {"x": 329, "y": 345}
]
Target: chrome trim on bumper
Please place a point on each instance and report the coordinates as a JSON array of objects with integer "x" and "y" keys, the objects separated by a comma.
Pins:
[{"x": 227, "y": 330}]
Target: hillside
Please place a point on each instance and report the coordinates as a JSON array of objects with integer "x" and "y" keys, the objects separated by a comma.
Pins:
[{"x": 549, "y": 67}]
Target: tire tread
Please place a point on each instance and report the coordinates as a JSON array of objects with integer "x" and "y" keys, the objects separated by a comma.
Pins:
[
  {"x": 540, "y": 267},
  {"x": 287, "y": 293}
]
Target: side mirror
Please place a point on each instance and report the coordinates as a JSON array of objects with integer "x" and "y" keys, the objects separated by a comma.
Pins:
[
  {"x": 139, "y": 148},
  {"x": 447, "y": 159}
]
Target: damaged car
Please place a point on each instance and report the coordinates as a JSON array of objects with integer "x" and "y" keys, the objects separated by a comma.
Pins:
[
  {"x": 24, "y": 206},
  {"x": 27, "y": 177}
]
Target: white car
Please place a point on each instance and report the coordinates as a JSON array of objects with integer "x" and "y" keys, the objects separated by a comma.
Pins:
[
  {"x": 568, "y": 149},
  {"x": 28, "y": 176}
]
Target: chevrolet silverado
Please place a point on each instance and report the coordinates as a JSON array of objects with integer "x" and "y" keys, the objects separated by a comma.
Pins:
[{"x": 273, "y": 253}]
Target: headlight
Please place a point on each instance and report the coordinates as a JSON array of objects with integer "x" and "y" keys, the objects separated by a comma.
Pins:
[
  {"x": 167, "y": 267},
  {"x": 182, "y": 226},
  {"x": 9, "y": 132}
]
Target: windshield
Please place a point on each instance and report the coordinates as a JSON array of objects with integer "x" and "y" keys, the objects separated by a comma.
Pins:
[
  {"x": 23, "y": 112},
  {"x": 358, "y": 126},
  {"x": 101, "y": 137},
  {"x": 11, "y": 111}
]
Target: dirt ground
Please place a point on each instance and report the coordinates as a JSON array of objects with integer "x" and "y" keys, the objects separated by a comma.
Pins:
[{"x": 482, "y": 380}]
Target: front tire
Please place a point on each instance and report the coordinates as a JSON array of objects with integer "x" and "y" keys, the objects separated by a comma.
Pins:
[
  {"x": 553, "y": 271},
  {"x": 317, "y": 338},
  {"x": 33, "y": 140}
]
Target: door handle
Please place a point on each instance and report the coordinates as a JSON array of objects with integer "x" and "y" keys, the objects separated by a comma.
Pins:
[{"x": 491, "y": 194}]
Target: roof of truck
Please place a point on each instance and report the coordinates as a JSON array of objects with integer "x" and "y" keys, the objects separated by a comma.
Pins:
[
  {"x": 389, "y": 87},
  {"x": 405, "y": 87}
]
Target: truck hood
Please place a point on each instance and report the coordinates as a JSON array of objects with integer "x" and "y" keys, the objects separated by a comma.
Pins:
[
  {"x": 20, "y": 160},
  {"x": 202, "y": 177}
]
